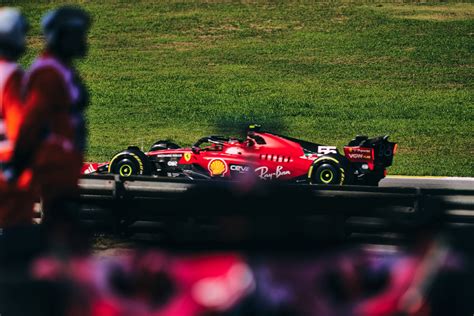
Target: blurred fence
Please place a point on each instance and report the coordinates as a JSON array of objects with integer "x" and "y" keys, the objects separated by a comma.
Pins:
[
  {"x": 265, "y": 217},
  {"x": 222, "y": 211}
]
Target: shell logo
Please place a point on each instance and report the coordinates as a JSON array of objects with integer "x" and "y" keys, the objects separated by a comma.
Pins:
[{"x": 217, "y": 167}]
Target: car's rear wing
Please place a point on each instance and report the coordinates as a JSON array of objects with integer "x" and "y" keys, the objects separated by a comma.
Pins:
[{"x": 376, "y": 152}]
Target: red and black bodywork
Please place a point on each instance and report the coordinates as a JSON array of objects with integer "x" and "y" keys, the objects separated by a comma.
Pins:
[{"x": 265, "y": 155}]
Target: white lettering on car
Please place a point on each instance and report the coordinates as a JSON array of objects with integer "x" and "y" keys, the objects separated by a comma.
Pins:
[
  {"x": 239, "y": 168},
  {"x": 324, "y": 150},
  {"x": 263, "y": 173},
  {"x": 172, "y": 163},
  {"x": 168, "y": 155}
]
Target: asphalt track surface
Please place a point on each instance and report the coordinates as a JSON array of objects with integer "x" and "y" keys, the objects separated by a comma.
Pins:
[{"x": 460, "y": 183}]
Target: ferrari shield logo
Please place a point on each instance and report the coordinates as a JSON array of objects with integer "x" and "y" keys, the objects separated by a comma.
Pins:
[{"x": 187, "y": 156}]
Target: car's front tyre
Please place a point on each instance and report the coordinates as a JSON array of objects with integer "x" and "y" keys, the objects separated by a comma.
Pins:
[{"x": 130, "y": 162}]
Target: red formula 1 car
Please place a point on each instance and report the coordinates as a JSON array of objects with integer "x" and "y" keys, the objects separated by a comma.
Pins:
[{"x": 267, "y": 156}]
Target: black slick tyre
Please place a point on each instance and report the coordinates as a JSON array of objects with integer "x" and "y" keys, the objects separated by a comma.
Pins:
[
  {"x": 330, "y": 169},
  {"x": 130, "y": 162}
]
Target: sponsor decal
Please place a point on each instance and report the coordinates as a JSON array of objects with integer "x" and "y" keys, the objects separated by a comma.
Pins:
[
  {"x": 324, "y": 150},
  {"x": 309, "y": 156},
  {"x": 359, "y": 150},
  {"x": 217, "y": 167},
  {"x": 187, "y": 156},
  {"x": 90, "y": 169},
  {"x": 172, "y": 163},
  {"x": 239, "y": 168},
  {"x": 359, "y": 156},
  {"x": 359, "y": 153},
  {"x": 233, "y": 151},
  {"x": 169, "y": 155},
  {"x": 263, "y": 173}
]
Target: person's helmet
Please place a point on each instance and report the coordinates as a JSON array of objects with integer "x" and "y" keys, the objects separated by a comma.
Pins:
[
  {"x": 13, "y": 28},
  {"x": 65, "y": 30}
]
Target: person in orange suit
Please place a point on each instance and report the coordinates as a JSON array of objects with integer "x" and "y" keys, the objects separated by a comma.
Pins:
[
  {"x": 16, "y": 207},
  {"x": 52, "y": 137}
]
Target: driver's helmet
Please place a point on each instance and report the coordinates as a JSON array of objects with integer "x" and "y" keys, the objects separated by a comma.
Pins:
[{"x": 13, "y": 28}]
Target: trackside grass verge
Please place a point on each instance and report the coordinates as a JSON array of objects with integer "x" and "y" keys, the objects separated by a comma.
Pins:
[{"x": 322, "y": 72}]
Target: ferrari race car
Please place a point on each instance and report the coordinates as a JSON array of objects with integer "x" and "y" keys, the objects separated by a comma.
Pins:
[{"x": 265, "y": 155}]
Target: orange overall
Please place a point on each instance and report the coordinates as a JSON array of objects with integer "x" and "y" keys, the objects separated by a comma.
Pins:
[
  {"x": 16, "y": 200},
  {"x": 52, "y": 136}
]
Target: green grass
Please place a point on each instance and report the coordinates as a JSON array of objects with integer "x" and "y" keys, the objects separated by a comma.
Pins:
[{"x": 321, "y": 72}]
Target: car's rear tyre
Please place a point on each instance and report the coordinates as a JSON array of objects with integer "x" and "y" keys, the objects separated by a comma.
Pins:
[
  {"x": 130, "y": 162},
  {"x": 327, "y": 173},
  {"x": 163, "y": 144},
  {"x": 330, "y": 169}
]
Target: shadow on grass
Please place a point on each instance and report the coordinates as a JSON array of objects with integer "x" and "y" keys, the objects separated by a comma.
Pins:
[{"x": 237, "y": 125}]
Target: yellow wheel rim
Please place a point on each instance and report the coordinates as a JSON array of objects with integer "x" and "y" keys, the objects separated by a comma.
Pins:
[
  {"x": 125, "y": 170},
  {"x": 326, "y": 176}
]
